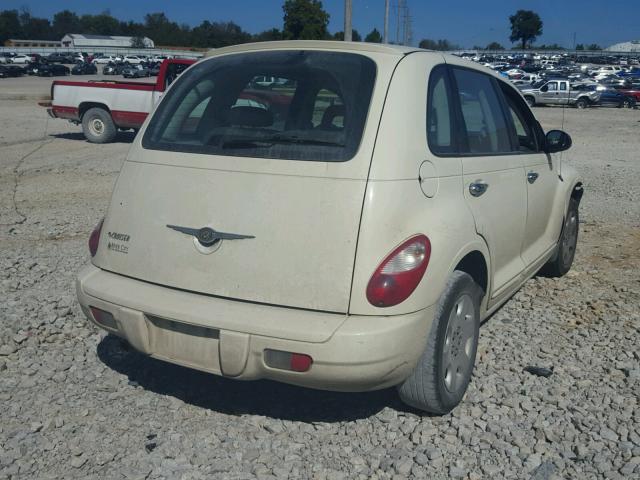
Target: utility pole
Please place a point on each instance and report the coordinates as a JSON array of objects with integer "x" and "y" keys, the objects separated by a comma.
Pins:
[
  {"x": 398, "y": 23},
  {"x": 347, "y": 20},
  {"x": 407, "y": 34},
  {"x": 385, "y": 39}
]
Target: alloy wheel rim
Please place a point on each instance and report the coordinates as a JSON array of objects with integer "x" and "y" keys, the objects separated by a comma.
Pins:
[{"x": 459, "y": 343}]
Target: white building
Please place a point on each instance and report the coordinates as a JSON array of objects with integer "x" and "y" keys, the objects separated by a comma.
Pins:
[
  {"x": 632, "y": 46},
  {"x": 80, "y": 41}
]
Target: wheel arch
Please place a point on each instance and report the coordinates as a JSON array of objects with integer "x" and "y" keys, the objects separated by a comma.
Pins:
[
  {"x": 474, "y": 259},
  {"x": 85, "y": 106}
]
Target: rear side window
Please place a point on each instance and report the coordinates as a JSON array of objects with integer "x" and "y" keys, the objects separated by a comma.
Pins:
[
  {"x": 294, "y": 105},
  {"x": 440, "y": 117},
  {"x": 482, "y": 116}
]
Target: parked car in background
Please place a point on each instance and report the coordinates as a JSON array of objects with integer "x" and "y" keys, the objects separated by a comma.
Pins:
[
  {"x": 114, "y": 68},
  {"x": 59, "y": 58},
  {"x": 53, "y": 70},
  {"x": 103, "y": 107},
  {"x": 135, "y": 71},
  {"x": 5, "y": 57},
  {"x": 12, "y": 70},
  {"x": 132, "y": 59},
  {"x": 203, "y": 258},
  {"x": 104, "y": 59},
  {"x": 21, "y": 59},
  {"x": 608, "y": 97},
  {"x": 632, "y": 91},
  {"x": 33, "y": 68},
  {"x": 634, "y": 72},
  {"x": 558, "y": 92},
  {"x": 154, "y": 69},
  {"x": 84, "y": 69}
]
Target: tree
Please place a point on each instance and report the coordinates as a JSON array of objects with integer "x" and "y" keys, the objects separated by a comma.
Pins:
[
  {"x": 102, "y": 24},
  {"x": 442, "y": 45},
  {"x": 579, "y": 46},
  {"x": 526, "y": 26},
  {"x": 594, "y": 46},
  {"x": 65, "y": 22},
  {"x": 305, "y": 20},
  {"x": 551, "y": 46},
  {"x": 163, "y": 31},
  {"x": 9, "y": 25},
  {"x": 268, "y": 35},
  {"x": 137, "y": 42},
  {"x": 494, "y": 46},
  {"x": 373, "y": 36},
  {"x": 218, "y": 34},
  {"x": 33, "y": 27},
  {"x": 355, "y": 36}
]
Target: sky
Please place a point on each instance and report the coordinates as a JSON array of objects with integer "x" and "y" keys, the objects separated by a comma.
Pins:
[{"x": 464, "y": 22}]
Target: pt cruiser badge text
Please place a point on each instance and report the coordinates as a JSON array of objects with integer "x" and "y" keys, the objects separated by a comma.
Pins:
[{"x": 118, "y": 242}]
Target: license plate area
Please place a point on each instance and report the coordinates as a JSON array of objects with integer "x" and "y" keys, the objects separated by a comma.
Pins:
[{"x": 189, "y": 345}]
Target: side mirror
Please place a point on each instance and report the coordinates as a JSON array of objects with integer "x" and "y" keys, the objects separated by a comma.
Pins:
[
  {"x": 544, "y": 88},
  {"x": 557, "y": 141}
]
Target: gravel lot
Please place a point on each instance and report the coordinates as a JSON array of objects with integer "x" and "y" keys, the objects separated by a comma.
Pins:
[{"x": 75, "y": 403}]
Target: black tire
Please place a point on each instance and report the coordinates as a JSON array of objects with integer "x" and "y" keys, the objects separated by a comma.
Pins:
[
  {"x": 581, "y": 103},
  {"x": 530, "y": 100},
  {"x": 98, "y": 126},
  {"x": 437, "y": 384},
  {"x": 562, "y": 260}
]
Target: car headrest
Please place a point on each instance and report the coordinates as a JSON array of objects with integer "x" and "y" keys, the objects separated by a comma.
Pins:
[
  {"x": 330, "y": 114},
  {"x": 246, "y": 116}
]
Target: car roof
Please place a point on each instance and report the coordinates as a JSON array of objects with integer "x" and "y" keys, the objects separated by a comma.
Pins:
[{"x": 399, "y": 50}]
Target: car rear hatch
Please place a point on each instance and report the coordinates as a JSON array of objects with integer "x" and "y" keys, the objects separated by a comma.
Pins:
[{"x": 281, "y": 168}]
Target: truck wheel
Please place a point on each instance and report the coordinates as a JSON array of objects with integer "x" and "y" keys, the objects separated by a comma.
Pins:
[
  {"x": 561, "y": 262},
  {"x": 530, "y": 101},
  {"x": 581, "y": 103},
  {"x": 441, "y": 377},
  {"x": 98, "y": 126}
]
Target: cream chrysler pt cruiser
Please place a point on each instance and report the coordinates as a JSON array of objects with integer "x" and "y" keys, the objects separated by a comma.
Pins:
[{"x": 346, "y": 225}]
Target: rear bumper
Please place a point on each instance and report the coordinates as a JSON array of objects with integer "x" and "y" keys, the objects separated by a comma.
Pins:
[
  {"x": 350, "y": 352},
  {"x": 67, "y": 113}
]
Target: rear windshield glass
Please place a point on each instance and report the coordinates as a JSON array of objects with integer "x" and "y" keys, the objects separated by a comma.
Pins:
[{"x": 294, "y": 105}]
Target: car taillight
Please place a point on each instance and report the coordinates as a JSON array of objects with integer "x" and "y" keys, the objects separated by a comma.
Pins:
[
  {"x": 399, "y": 273},
  {"x": 94, "y": 238}
]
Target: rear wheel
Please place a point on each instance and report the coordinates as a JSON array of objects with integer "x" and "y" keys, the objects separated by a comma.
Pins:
[
  {"x": 98, "y": 126},
  {"x": 441, "y": 377},
  {"x": 530, "y": 100},
  {"x": 561, "y": 263}
]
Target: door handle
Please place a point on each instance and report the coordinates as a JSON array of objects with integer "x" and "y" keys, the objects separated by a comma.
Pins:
[
  {"x": 532, "y": 177},
  {"x": 477, "y": 188}
]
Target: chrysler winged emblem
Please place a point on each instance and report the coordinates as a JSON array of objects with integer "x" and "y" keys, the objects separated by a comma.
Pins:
[{"x": 208, "y": 236}]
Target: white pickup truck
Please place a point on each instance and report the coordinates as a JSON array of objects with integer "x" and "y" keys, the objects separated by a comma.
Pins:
[
  {"x": 104, "y": 106},
  {"x": 558, "y": 92}
]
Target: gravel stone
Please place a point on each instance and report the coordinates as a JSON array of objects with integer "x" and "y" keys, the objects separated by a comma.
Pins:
[
  {"x": 77, "y": 462},
  {"x": 6, "y": 350}
]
